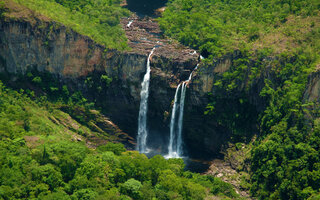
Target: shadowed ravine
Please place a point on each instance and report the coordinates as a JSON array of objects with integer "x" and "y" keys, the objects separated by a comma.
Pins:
[{"x": 145, "y": 7}]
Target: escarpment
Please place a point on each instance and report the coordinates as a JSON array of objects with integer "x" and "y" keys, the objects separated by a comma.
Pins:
[
  {"x": 112, "y": 79},
  {"x": 38, "y": 45}
]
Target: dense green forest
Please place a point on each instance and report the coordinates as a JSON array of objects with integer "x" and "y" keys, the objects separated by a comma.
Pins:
[
  {"x": 279, "y": 45},
  {"x": 43, "y": 156},
  {"x": 217, "y": 27}
]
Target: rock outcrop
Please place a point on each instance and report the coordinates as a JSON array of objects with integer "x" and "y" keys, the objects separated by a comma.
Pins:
[{"x": 312, "y": 93}]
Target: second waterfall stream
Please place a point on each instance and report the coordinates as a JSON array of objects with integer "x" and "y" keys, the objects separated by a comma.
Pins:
[{"x": 176, "y": 124}]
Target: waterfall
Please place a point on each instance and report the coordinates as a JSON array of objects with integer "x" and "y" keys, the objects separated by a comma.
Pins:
[
  {"x": 180, "y": 121},
  {"x": 129, "y": 24},
  {"x": 172, "y": 125},
  {"x": 175, "y": 143},
  {"x": 142, "y": 121}
]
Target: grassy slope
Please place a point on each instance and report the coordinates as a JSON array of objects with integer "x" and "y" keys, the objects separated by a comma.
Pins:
[
  {"x": 104, "y": 30},
  {"x": 23, "y": 116}
]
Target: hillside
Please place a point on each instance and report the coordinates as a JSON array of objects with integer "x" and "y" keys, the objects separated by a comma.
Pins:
[
  {"x": 46, "y": 154},
  {"x": 220, "y": 27},
  {"x": 271, "y": 54}
]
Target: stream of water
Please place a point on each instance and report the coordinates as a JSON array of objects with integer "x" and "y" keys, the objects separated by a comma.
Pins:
[
  {"x": 142, "y": 121},
  {"x": 175, "y": 149}
]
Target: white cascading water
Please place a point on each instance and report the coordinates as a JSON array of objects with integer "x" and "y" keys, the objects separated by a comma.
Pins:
[
  {"x": 129, "y": 24},
  {"x": 175, "y": 144},
  {"x": 180, "y": 120},
  {"x": 171, "y": 148},
  {"x": 142, "y": 122}
]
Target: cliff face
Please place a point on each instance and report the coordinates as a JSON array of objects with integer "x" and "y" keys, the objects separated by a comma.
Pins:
[
  {"x": 46, "y": 46},
  {"x": 202, "y": 132},
  {"x": 30, "y": 42},
  {"x": 35, "y": 43}
]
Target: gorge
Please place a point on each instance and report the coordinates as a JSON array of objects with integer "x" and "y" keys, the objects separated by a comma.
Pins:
[
  {"x": 195, "y": 100},
  {"x": 73, "y": 58}
]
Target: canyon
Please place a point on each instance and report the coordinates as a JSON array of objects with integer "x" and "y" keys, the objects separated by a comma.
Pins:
[{"x": 31, "y": 42}]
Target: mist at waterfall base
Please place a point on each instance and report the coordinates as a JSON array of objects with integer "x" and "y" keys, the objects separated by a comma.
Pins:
[{"x": 158, "y": 141}]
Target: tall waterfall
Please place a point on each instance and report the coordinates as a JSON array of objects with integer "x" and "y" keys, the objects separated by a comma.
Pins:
[
  {"x": 180, "y": 121},
  {"x": 171, "y": 146},
  {"x": 175, "y": 144},
  {"x": 142, "y": 122}
]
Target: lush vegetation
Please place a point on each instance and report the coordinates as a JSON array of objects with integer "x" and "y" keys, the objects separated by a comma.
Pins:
[
  {"x": 285, "y": 158},
  {"x": 38, "y": 160},
  {"x": 278, "y": 47},
  {"x": 96, "y": 19},
  {"x": 216, "y": 27}
]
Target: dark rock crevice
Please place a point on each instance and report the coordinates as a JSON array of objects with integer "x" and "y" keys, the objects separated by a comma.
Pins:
[{"x": 145, "y": 7}]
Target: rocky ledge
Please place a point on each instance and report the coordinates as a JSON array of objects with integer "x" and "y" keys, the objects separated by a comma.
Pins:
[{"x": 144, "y": 33}]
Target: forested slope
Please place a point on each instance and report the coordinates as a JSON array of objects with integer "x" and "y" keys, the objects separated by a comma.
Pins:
[
  {"x": 218, "y": 27},
  {"x": 46, "y": 154},
  {"x": 263, "y": 94}
]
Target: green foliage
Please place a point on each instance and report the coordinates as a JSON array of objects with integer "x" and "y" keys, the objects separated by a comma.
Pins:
[
  {"x": 218, "y": 27},
  {"x": 216, "y": 186},
  {"x": 2, "y": 9},
  {"x": 179, "y": 187},
  {"x": 116, "y": 148},
  {"x": 96, "y": 19},
  {"x": 284, "y": 165},
  {"x": 284, "y": 159},
  {"x": 61, "y": 195},
  {"x": 43, "y": 162},
  {"x": 106, "y": 80},
  {"x": 37, "y": 80},
  {"x": 131, "y": 188}
]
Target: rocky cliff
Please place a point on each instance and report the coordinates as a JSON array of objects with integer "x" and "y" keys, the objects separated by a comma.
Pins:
[{"x": 30, "y": 42}]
